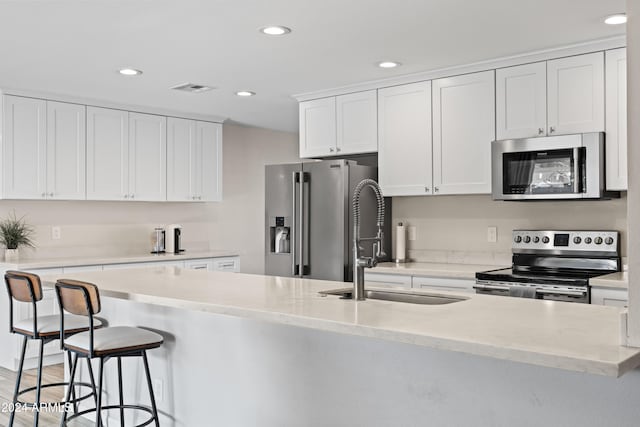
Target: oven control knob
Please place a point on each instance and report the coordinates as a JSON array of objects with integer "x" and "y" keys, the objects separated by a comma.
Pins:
[
  {"x": 527, "y": 239},
  {"x": 517, "y": 239},
  {"x": 609, "y": 240},
  {"x": 598, "y": 240},
  {"x": 545, "y": 239},
  {"x": 577, "y": 240},
  {"x": 587, "y": 240},
  {"x": 536, "y": 239}
]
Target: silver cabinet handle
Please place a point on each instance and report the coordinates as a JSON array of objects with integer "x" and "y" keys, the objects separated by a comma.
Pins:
[
  {"x": 436, "y": 189},
  {"x": 540, "y": 131},
  {"x": 50, "y": 194},
  {"x": 338, "y": 149},
  {"x": 331, "y": 149},
  {"x": 131, "y": 196},
  {"x": 552, "y": 129},
  {"x": 44, "y": 194},
  {"x": 426, "y": 189},
  {"x": 199, "y": 197},
  {"x": 126, "y": 196}
]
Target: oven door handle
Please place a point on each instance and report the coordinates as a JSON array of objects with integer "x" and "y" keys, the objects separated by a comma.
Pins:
[
  {"x": 561, "y": 292},
  {"x": 484, "y": 287}
]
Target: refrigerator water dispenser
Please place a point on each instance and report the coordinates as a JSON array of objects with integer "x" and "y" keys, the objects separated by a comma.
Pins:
[{"x": 280, "y": 235}]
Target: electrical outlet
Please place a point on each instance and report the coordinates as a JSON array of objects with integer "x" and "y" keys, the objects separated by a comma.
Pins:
[
  {"x": 492, "y": 234},
  {"x": 56, "y": 232},
  {"x": 158, "y": 389},
  {"x": 413, "y": 234}
]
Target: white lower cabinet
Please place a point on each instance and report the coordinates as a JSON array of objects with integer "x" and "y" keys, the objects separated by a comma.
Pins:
[
  {"x": 609, "y": 296},
  {"x": 378, "y": 280}
]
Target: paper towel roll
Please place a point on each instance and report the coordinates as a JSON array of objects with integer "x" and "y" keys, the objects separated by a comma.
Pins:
[{"x": 401, "y": 243}]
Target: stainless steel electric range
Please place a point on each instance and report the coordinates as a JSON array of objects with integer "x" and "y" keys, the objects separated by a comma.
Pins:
[{"x": 554, "y": 265}]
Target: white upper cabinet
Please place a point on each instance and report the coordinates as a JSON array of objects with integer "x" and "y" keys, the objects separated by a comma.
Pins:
[
  {"x": 147, "y": 157},
  {"x": 44, "y": 149},
  {"x": 616, "y": 121},
  {"x": 318, "y": 127},
  {"x": 463, "y": 128},
  {"x": 24, "y": 148},
  {"x": 576, "y": 94},
  {"x": 404, "y": 131},
  {"x": 194, "y": 160},
  {"x": 107, "y": 154},
  {"x": 339, "y": 125},
  {"x": 66, "y": 151},
  {"x": 356, "y": 115},
  {"x": 521, "y": 101}
]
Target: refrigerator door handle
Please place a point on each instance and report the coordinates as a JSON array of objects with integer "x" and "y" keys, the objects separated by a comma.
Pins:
[
  {"x": 300, "y": 231},
  {"x": 305, "y": 269},
  {"x": 294, "y": 229}
]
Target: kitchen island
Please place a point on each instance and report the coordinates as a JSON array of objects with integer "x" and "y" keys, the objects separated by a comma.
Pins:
[{"x": 260, "y": 350}]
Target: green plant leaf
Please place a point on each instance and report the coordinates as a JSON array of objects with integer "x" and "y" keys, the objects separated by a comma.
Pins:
[{"x": 15, "y": 232}]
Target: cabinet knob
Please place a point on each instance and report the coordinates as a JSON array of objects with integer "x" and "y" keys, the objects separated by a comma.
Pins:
[
  {"x": 552, "y": 129},
  {"x": 436, "y": 189},
  {"x": 426, "y": 189},
  {"x": 540, "y": 131},
  {"x": 131, "y": 196},
  {"x": 44, "y": 194},
  {"x": 338, "y": 149},
  {"x": 199, "y": 197},
  {"x": 331, "y": 150},
  {"x": 126, "y": 196},
  {"x": 50, "y": 194}
]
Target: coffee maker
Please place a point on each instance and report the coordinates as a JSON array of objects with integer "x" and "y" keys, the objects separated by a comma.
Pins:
[{"x": 173, "y": 241}]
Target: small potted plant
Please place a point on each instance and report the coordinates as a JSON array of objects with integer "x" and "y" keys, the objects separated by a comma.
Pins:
[{"x": 14, "y": 234}]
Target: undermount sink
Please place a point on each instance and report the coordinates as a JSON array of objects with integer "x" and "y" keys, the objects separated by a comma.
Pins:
[{"x": 395, "y": 296}]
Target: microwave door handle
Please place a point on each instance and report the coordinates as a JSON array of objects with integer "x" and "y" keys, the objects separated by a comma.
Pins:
[{"x": 577, "y": 176}]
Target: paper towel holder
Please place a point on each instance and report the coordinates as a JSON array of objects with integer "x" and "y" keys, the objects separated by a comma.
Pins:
[{"x": 401, "y": 258}]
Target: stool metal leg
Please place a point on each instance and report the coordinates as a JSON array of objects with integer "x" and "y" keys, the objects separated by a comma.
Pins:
[
  {"x": 120, "y": 391},
  {"x": 36, "y": 415},
  {"x": 99, "y": 403},
  {"x": 153, "y": 399},
  {"x": 63, "y": 420},
  {"x": 18, "y": 379}
]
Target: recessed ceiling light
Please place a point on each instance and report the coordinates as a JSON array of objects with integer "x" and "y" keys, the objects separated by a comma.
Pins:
[
  {"x": 617, "y": 19},
  {"x": 245, "y": 93},
  {"x": 130, "y": 72},
  {"x": 275, "y": 30},
  {"x": 388, "y": 64}
]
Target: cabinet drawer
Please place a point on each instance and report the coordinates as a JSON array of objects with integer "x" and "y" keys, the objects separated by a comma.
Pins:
[
  {"x": 226, "y": 264},
  {"x": 199, "y": 264},
  {"x": 443, "y": 284},
  {"x": 386, "y": 280}
]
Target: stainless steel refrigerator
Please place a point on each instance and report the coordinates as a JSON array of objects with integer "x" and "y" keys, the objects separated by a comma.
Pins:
[{"x": 309, "y": 221}]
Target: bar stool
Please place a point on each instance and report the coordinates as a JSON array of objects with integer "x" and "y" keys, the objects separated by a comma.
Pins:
[
  {"x": 27, "y": 287},
  {"x": 82, "y": 298}
]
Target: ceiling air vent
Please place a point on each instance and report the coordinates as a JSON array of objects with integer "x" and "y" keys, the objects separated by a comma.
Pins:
[{"x": 192, "y": 87}]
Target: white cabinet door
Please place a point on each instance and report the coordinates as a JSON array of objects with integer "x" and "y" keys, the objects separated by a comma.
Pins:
[
  {"x": 147, "y": 157},
  {"x": 463, "y": 128},
  {"x": 66, "y": 151},
  {"x": 616, "y": 121},
  {"x": 443, "y": 284},
  {"x": 357, "y": 123},
  {"x": 107, "y": 154},
  {"x": 208, "y": 161},
  {"x": 181, "y": 154},
  {"x": 610, "y": 296},
  {"x": 404, "y": 145},
  {"x": 576, "y": 94},
  {"x": 24, "y": 148},
  {"x": 383, "y": 280},
  {"x": 194, "y": 161},
  {"x": 318, "y": 127},
  {"x": 521, "y": 101}
]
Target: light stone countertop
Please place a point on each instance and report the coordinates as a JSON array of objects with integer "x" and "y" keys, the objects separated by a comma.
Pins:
[
  {"x": 28, "y": 264},
  {"x": 614, "y": 280},
  {"x": 576, "y": 337},
  {"x": 454, "y": 271}
]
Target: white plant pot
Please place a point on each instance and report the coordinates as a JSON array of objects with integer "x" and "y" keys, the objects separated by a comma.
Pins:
[{"x": 11, "y": 255}]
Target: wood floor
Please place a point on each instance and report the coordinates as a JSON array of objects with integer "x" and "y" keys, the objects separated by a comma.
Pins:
[{"x": 24, "y": 418}]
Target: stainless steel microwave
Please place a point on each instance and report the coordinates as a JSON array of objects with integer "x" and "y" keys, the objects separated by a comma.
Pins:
[{"x": 554, "y": 167}]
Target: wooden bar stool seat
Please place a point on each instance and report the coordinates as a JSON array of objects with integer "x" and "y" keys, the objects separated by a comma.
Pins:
[
  {"x": 27, "y": 288},
  {"x": 82, "y": 298}
]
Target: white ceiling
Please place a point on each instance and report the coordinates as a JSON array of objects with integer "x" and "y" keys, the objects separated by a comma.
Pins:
[{"x": 75, "y": 47}]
